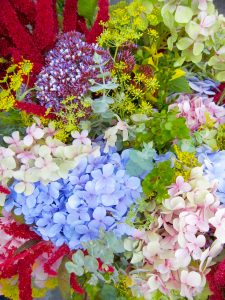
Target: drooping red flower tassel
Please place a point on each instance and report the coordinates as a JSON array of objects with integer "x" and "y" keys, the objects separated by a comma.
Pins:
[
  {"x": 21, "y": 231},
  {"x": 20, "y": 36},
  {"x": 24, "y": 282},
  {"x": 34, "y": 109},
  {"x": 110, "y": 269},
  {"x": 75, "y": 285},
  {"x": 102, "y": 16},
  {"x": 4, "y": 190},
  {"x": 46, "y": 24},
  {"x": 216, "y": 281},
  {"x": 60, "y": 252},
  {"x": 219, "y": 98},
  {"x": 26, "y": 8},
  {"x": 70, "y": 15}
]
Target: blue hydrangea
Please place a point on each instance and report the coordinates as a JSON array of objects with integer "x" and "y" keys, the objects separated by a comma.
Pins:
[
  {"x": 203, "y": 86},
  {"x": 214, "y": 168},
  {"x": 96, "y": 194}
]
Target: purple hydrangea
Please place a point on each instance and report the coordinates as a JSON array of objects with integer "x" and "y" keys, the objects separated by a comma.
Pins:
[
  {"x": 69, "y": 67},
  {"x": 204, "y": 86},
  {"x": 96, "y": 194}
]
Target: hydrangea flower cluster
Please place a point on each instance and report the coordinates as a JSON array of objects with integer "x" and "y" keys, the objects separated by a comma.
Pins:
[
  {"x": 179, "y": 248},
  {"x": 39, "y": 157},
  {"x": 96, "y": 194},
  {"x": 68, "y": 69},
  {"x": 203, "y": 87},
  {"x": 197, "y": 110},
  {"x": 214, "y": 168}
]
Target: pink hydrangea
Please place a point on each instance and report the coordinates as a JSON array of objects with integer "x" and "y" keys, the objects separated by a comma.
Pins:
[
  {"x": 180, "y": 247},
  {"x": 197, "y": 109}
]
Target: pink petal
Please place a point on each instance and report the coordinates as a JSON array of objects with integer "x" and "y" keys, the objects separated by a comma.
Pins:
[{"x": 28, "y": 140}]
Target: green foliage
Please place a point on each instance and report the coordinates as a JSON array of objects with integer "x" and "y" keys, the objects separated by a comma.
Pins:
[
  {"x": 155, "y": 183},
  {"x": 101, "y": 105},
  {"x": 9, "y": 122},
  {"x": 87, "y": 9},
  {"x": 141, "y": 161},
  {"x": 179, "y": 85},
  {"x": 163, "y": 128},
  {"x": 105, "y": 247}
]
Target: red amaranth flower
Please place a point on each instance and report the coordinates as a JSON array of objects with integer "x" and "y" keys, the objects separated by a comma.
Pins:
[
  {"x": 59, "y": 253},
  {"x": 216, "y": 281},
  {"x": 20, "y": 35},
  {"x": 220, "y": 94},
  {"x": 29, "y": 28},
  {"x": 4, "y": 190},
  {"x": 34, "y": 109},
  {"x": 75, "y": 285},
  {"x": 70, "y": 16},
  {"x": 26, "y": 10},
  {"x": 46, "y": 27}
]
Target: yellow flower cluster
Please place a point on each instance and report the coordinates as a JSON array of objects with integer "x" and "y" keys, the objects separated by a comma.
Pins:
[
  {"x": 136, "y": 94},
  {"x": 220, "y": 138},
  {"x": 11, "y": 83},
  {"x": 123, "y": 288},
  {"x": 68, "y": 118},
  {"x": 126, "y": 23},
  {"x": 185, "y": 162},
  {"x": 9, "y": 288}
]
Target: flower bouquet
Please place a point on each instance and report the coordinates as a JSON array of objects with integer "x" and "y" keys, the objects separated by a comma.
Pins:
[{"x": 112, "y": 149}]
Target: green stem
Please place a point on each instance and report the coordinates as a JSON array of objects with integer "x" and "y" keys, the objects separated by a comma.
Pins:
[{"x": 115, "y": 55}]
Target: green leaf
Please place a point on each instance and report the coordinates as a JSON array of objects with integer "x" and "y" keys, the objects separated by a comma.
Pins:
[
  {"x": 70, "y": 267},
  {"x": 179, "y": 62},
  {"x": 87, "y": 8},
  {"x": 96, "y": 88},
  {"x": 100, "y": 107},
  {"x": 220, "y": 76},
  {"x": 78, "y": 270},
  {"x": 108, "y": 292},
  {"x": 184, "y": 43},
  {"x": 90, "y": 263},
  {"x": 183, "y": 14},
  {"x": 179, "y": 85},
  {"x": 78, "y": 258}
]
